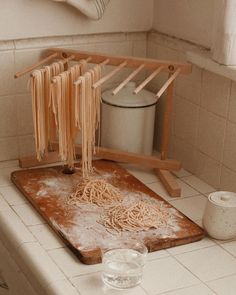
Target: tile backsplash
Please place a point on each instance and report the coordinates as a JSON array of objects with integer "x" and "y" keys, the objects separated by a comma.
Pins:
[
  {"x": 203, "y": 134},
  {"x": 204, "y": 121}
]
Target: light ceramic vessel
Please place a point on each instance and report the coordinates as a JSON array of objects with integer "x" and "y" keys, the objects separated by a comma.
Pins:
[
  {"x": 219, "y": 218},
  {"x": 128, "y": 120}
]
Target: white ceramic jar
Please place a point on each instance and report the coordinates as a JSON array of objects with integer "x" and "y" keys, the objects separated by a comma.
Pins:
[
  {"x": 128, "y": 120},
  {"x": 219, "y": 218}
]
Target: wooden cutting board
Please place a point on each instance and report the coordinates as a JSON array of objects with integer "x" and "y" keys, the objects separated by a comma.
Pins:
[{"x": 48, "y": 188}]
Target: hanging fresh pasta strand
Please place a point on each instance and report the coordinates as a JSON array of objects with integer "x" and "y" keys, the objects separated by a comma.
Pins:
[
  {"x": 98, "y": 96},
  {"x": 55, "y": 69},
  {"x": 83, "y": 131},
  {"x": 37, "y": 86},
  {"x": 68, "y": 109}
]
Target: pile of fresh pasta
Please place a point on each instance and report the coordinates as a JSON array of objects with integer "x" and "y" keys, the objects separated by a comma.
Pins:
[
  {"x": 96, "y": 191},
  {"x": 139, "y": 216},
  {"x": 117, "y": 214}
]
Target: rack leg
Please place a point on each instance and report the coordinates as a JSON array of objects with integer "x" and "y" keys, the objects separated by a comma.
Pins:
[
  {"x": 167, "y": 179},
  {"x": 169, "y": 182},
  {"x": 167, "y": 121},
  {"x": 31, "y": 161}
]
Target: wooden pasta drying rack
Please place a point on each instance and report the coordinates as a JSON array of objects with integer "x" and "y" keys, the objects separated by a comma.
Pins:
[{"x": 161, "y": 165}]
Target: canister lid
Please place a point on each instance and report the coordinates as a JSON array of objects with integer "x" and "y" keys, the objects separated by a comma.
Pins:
[
  {"x": 223, "y": 199},
  {"x": 127, "y": 99}
]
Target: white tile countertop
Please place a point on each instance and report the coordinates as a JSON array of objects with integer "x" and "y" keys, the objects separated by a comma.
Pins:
[{"x": 204, "y": 267}]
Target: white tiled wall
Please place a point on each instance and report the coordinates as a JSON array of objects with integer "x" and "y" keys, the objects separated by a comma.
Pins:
[
  {"x": 16, "y": 127},
  {"x": 203, "y": 134},
  {"x": 190, "y": 20}
]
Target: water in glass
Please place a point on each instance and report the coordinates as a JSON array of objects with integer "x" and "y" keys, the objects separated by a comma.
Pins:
[{"x": 122, "y": 268}]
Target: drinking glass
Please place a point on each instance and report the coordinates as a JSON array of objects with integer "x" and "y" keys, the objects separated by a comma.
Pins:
[{"x": 123, "y": 261}]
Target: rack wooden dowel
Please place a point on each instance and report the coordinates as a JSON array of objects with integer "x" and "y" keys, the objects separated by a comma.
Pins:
[
  {"x": 108, "y": 154},
  {"x": 132, "y": 62},
  {"x": 168, "y": 180},
  {"x": 38, "y": 64},
  {"x": 64, "y": 61},
  {"x": 147, "y": 80},
  {"x": 31, "y": 161},
  {"x": 129, "y": 78},
  {"x": 103, "y": 63},
  {"x": 88, "y": 59},
  {"x": 168, "y": 82},
  {"x": 109, "y": 75}
]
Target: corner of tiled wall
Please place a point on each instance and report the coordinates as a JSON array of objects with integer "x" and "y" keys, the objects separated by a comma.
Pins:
[
  {"x": 203, "y": 134},
  {"x": 8, "y": 109}
]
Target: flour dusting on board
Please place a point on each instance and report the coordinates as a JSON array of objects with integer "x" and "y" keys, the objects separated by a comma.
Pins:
[
  {"x": 60, "y": 185},
  {"x": 89, "y": 233},
  {"x": 86, "y": 231}
]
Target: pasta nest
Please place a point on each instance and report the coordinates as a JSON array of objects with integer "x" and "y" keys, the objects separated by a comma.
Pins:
[
  {"x": 136, "y": 217},
  {"x": 95, "y": 191}
]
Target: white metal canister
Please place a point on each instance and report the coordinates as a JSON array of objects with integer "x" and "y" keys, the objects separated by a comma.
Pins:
[
  {"x": 219, "y": 218},
  {"x": 128, "y": 120}
]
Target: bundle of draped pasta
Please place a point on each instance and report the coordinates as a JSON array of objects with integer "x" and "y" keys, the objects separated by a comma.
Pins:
[
  {"x": 63, "y": 104},
  {"x": 64, "y": 110},
  {"x": 138, "y": 216},
  {"x": 44, "y": 124},
  {"x": 95, "y": 191}
]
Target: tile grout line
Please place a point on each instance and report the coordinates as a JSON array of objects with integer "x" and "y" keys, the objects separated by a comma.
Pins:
[
  {"x": 145, "y": 291},
  {"x": 34, "y": 211},
  {"x": 211, "y": 289},
  {"x": 196, "y": 188},
  {"x": 183, "y": 198},
  {"x": 179, "y": 289},
  {"x": 74, "y": 287},
  {"x": 197, "y": 149},
  {"x": 47, "y": 250},
  {"x": 225, "y": 131},
  {"x": 223, "y": 277},
  {"x": 176, "y": 198},
  {"x": 186, "y": 268},
  {"x": 191, "y": 271},
  {"x": 191, "y": 250},
  {"x": 82, "y": 275},
  {"x": 220, "y": 245},
  {"x": 205, "y": 283}
]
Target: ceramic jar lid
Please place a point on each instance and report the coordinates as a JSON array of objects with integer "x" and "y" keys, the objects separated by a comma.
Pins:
[
  {"x": 127, "y": 99},
  {"x": 223, "y": 199}
]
